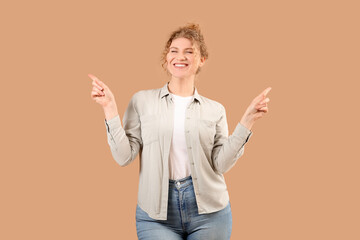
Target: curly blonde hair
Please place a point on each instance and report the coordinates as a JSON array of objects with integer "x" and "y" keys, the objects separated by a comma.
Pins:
[{"x": 192, "y": 32}]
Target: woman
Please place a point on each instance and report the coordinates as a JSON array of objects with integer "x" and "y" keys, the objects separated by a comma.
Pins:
[{"x": 183, "y": 143}]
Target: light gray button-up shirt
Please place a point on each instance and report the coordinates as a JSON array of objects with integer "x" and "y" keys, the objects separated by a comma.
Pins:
[{"x": 148, "y": 128}]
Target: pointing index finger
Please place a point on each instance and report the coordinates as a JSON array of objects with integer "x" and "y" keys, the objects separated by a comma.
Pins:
[
  {"x": 262, "y": 95},
  {"x": 266, "y": 91},
  {"x": 97, "y": 80}
]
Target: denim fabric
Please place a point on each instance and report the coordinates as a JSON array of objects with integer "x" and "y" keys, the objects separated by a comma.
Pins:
[{"x": 183, "y": 220}]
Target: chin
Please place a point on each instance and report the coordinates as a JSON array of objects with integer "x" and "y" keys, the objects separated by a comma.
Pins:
[
  {"x": 177, "y": 74},
  {"x": 180, "y": 75}
]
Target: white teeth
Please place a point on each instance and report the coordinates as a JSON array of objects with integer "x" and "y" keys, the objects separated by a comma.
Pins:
[{"x": 180, "y": 65}]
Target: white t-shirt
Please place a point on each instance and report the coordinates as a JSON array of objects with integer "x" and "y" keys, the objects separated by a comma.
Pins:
[{"x": 179, "y": 165}]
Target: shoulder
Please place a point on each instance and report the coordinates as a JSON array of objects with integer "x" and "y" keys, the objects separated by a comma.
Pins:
[
  {"x": 212, "y": 104},
  {"x": 145, "y": 96},
  {"x": 148, "y": 92}
]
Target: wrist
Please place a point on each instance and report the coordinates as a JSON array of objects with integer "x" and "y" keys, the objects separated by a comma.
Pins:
[
  {"x": 110, "y": 111},
  {"x": 247, "y": 123}
]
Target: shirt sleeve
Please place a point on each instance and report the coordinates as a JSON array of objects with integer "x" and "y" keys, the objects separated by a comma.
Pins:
[
  {"x": 124, "y": 141},
  {"x": 228, "y": 149}
]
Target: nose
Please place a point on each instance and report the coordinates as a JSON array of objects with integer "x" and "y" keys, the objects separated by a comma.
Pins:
[{"x": 181, "y": 56}]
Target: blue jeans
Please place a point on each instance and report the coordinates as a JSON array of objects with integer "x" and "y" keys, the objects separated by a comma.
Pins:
[{"x": 183, "y": 221}]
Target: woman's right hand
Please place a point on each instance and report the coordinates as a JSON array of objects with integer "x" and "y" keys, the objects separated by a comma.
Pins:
[{"x": 101, "y": 93}]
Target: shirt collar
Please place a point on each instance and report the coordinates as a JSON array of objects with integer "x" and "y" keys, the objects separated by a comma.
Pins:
[{"x": 165, "y": 91}]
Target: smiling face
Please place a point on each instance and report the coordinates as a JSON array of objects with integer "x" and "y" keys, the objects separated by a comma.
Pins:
[{"x": 183, "y": 58}]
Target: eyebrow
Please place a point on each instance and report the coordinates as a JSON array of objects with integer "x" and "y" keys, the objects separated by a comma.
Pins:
[{"x": 185, "y": 48}]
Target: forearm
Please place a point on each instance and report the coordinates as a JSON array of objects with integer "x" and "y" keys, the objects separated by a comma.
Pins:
[
  {"x": 229, "y": 151},
  {"x": 123, "y": 150}
]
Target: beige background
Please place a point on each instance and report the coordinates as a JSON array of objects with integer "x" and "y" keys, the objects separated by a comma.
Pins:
[{"x": 299, "y": 176}]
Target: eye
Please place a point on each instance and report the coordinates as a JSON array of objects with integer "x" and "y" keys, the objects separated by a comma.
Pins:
[{"x": 187, "y": 51}]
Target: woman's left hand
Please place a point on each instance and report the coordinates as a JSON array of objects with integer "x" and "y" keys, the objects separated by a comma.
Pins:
[{"x": 256, "y": 109}]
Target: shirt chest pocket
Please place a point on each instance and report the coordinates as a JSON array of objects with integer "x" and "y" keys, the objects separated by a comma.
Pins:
[
  {"x": 207, "y": 130},
  {"x": 149, "y": 128}
]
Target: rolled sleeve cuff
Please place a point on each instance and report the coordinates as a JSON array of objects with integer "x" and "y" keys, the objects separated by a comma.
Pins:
[
  {"x": 242, "y": 133},
  {"x": 113, "y": 123}
]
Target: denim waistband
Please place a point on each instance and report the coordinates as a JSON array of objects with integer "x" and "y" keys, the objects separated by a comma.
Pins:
[{"x": 181, "y": 182}]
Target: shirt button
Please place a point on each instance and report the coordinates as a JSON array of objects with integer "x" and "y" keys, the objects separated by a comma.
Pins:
[
  {"x": 189, "y": 147},
  {"x": 192, "y": 163},
  {"x": 187, "y": 117}
]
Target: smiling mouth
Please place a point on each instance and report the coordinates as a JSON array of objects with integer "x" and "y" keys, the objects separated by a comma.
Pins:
[{"x": 180, "y": 65}]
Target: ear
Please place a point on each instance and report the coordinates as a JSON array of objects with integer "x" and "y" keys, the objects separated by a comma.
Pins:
[{"x": 202, "y": 61}]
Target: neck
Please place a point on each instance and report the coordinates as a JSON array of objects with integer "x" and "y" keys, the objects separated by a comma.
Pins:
[{"x": 183, "y": 87}]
